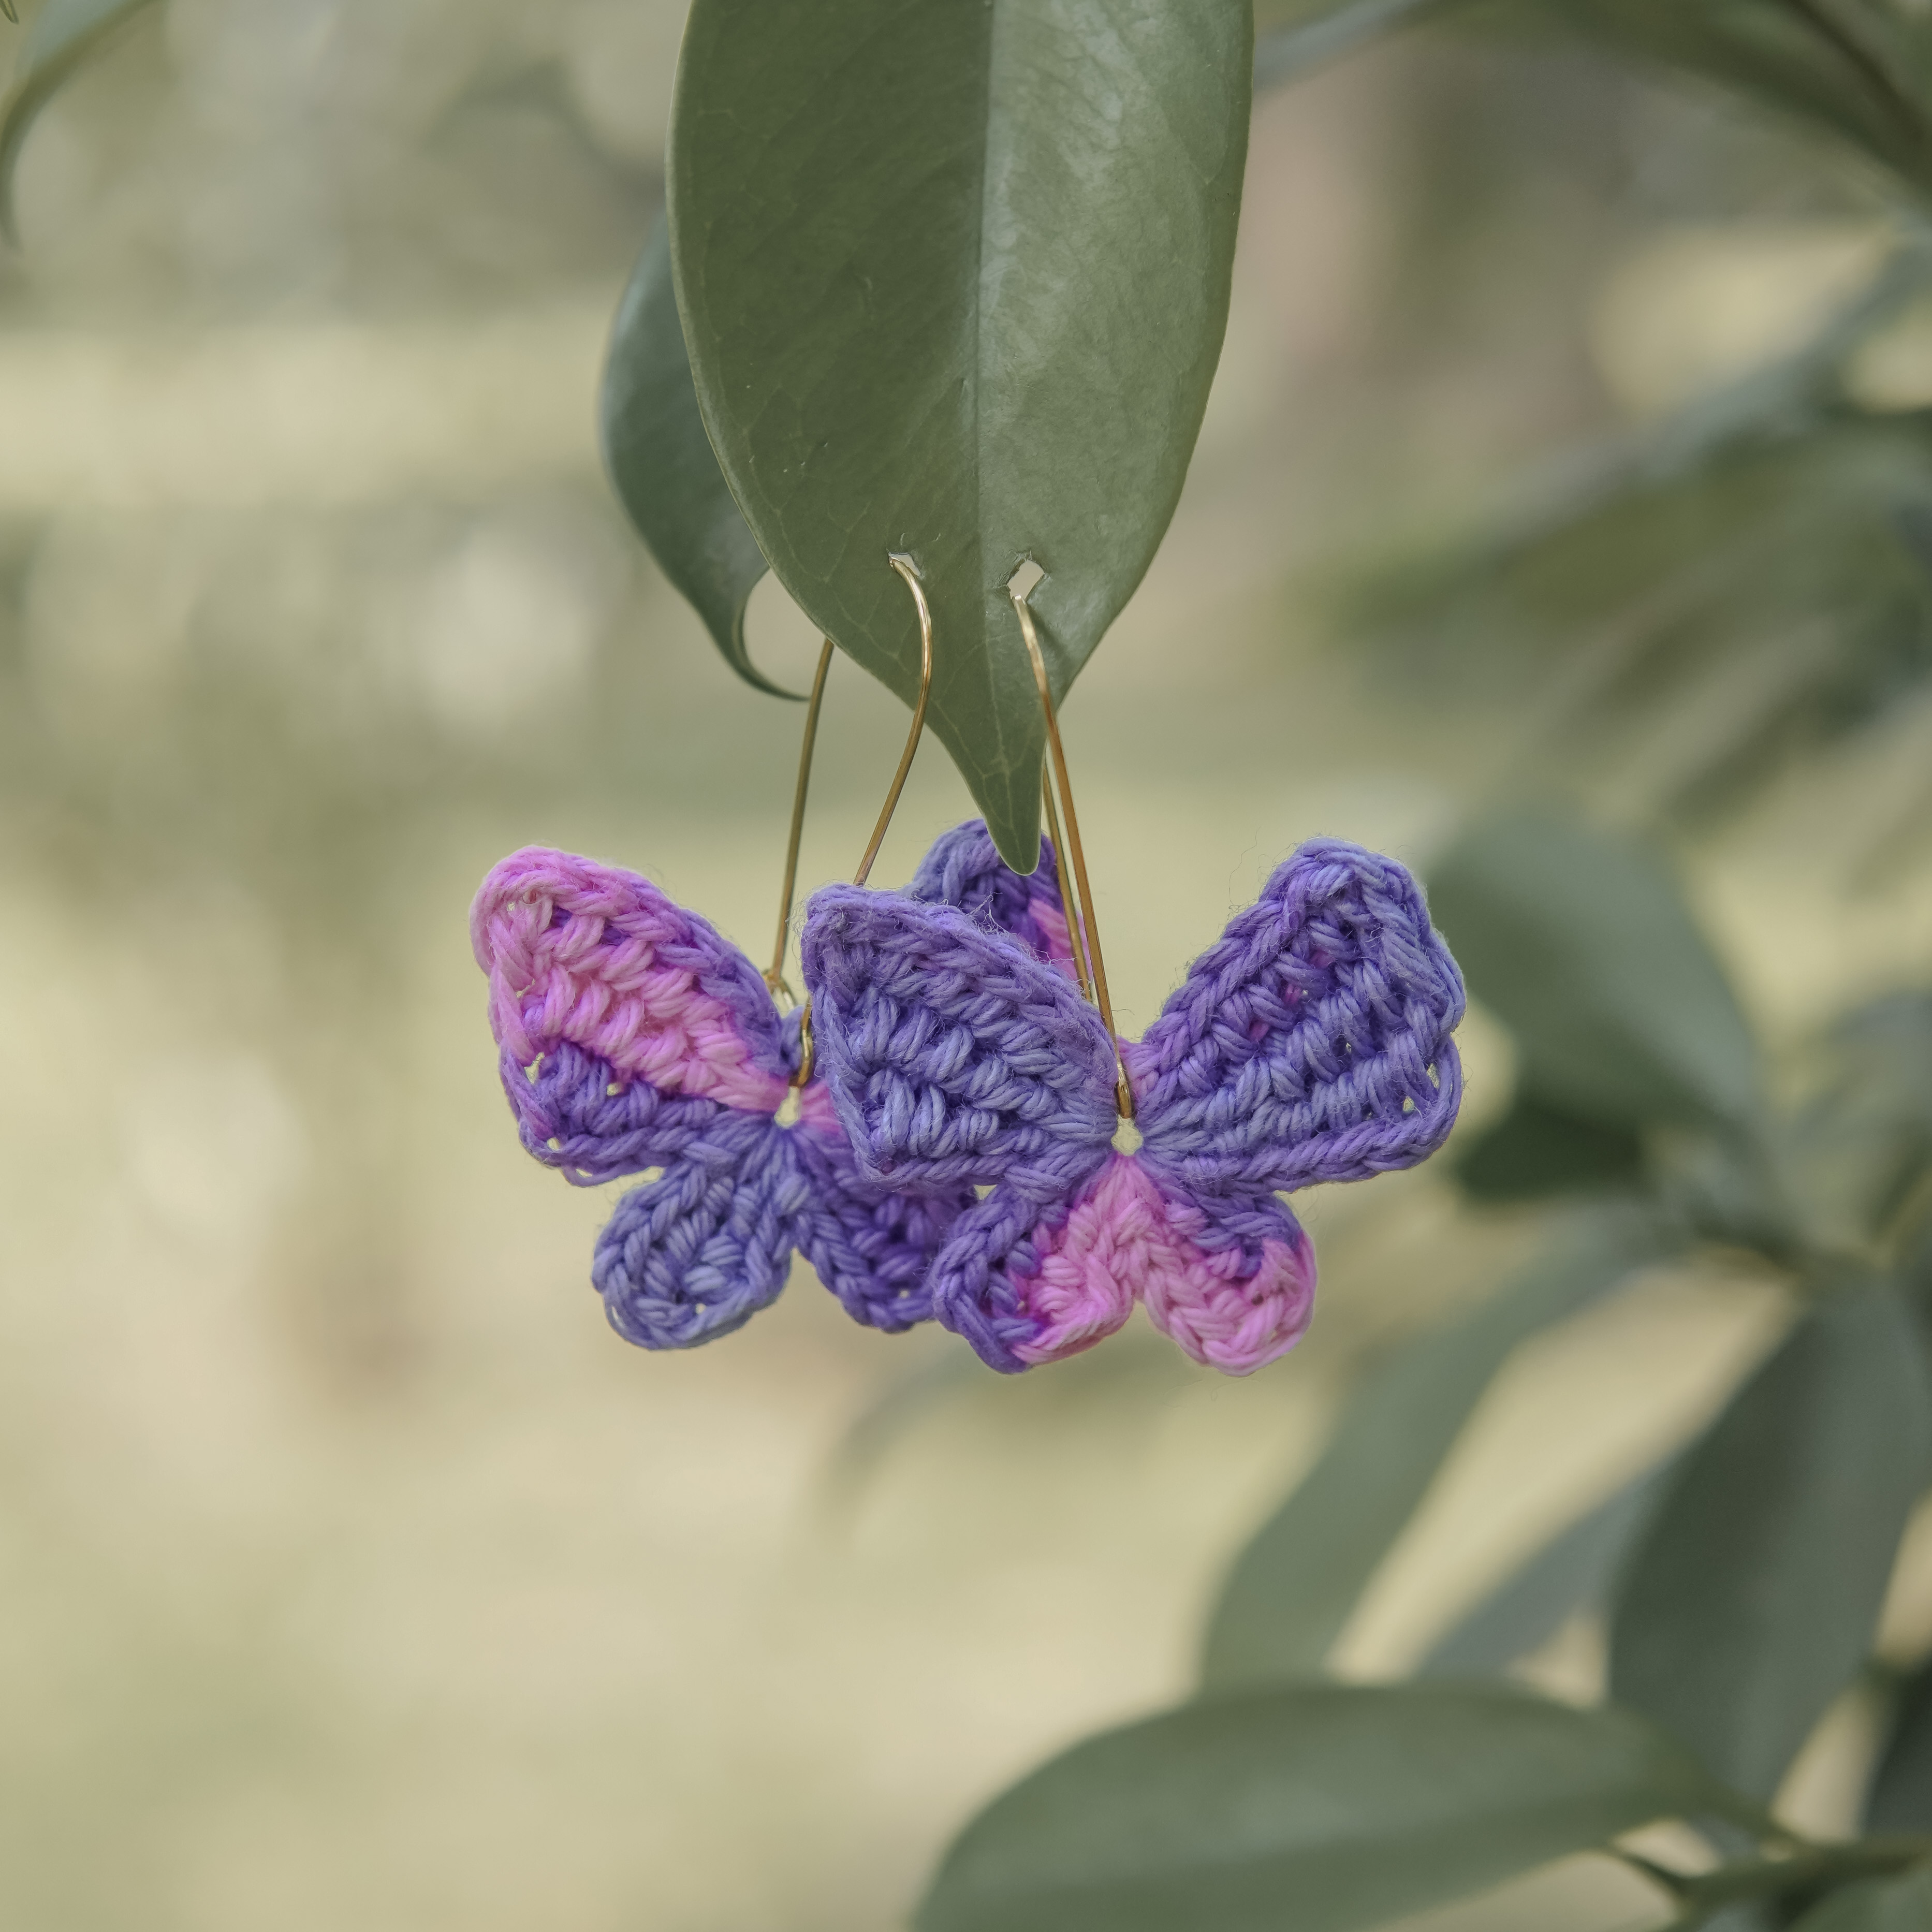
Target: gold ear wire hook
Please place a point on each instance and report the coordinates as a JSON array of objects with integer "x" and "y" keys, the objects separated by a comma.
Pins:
[
  {"x": 1076, "y": 932},
  {"x": 775, "y": 977},
  {"x": 1082, "y": 933},
  {"x": 908, "y": 569}
]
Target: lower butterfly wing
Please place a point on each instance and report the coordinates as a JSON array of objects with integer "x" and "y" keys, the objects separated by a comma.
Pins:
[
  {"x": 1311, "y": 1042},
  {"x": 1228, "y": 1278},
  {"x": 1027, "y": 1282},
  {"x": 871, "y": 1246},
  {"x": 696, "y": 1252},
  {"x": 1231, "y": 1281}
]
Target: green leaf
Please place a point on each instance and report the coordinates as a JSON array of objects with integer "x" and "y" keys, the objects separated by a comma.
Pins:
[
  {"x": 1851, "y": 69},
  {"x": 661, "y": 462},
  {"x": 1901, "y": 1797},
  {"x": 1539, "y": 1149},
  {"x": 1572, "y": 1571},
  {"x": 1581, "y": 945},
  {"x": 1292, "y": 52},
  {"x": 1314, "y": 1809},
  {"x": 1879, "y": 1905},
  {"x": 1751, "y": 1602},
  {"x": 1865, "y": 1141},
  {"x": 1292, "y": 1588},
  {"x": 63, "y": 34},
  {"x": 1912, "y": 1263},
  {"x": 954, "y": 280},
  {"x": 1754, "y": 568}
]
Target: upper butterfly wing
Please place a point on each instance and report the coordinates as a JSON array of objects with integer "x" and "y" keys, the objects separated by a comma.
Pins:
[
  {"x": 1313, "y": 1042},
  {"x": 963, "y": 868},
  {"x": 625, "y": 1023},
  {"x": 953, "y": 1055}
]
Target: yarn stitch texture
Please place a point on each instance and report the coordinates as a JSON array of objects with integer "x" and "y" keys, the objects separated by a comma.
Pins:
[
  {"x": 1311, "y": 1043},
  {"x": 633, "y": 1036}
]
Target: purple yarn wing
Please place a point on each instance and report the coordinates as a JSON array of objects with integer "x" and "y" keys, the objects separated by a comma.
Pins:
[
  {"x": 1312, "y": 1042},
  {"x": 633, "y": 1036},
  {"x": 953, "y": 1055},
  {"x": 963, "y": 868}
]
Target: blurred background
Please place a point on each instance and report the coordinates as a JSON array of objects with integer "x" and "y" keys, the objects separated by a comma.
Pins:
[{"x": 352, "y": 1572}]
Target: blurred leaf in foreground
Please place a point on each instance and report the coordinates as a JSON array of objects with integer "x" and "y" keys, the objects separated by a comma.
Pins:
[
  {"x": 1864, "y": 1143},
  {"x": 1293, "y": 1587},
  {"x": 1538, "y": 1149},
  {"x": 1879, "y": 1905},
  {"x": 1747, "y": 582},
  {"x": 1323, "y": 1807},
  {"x": 1901, "y": 1797},
  {"x": 1753, "y": 1599},
  {"x": 63, "y": 34},
  {"x": 1296, "y": 46},
  {"x": 1574, "y": 1570},
  {"x": 1581, "y": 945}
]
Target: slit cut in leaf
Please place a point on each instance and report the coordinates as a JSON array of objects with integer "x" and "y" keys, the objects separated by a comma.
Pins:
[
  {"x": 63, "y": 34},
  {"x": 954, "y": 280},
  {"x": 1314, "y": 1808},
  {"x": 663, "y": 465}
]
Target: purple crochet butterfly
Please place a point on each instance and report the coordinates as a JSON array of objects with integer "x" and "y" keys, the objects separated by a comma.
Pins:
[
  {"x": 633, "y": 1036},
  {"x": 1311, "y": 1043}
]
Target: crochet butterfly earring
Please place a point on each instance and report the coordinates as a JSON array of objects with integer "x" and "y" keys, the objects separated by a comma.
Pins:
[
  {"x": 633, "y": 1037},
  {"x": 1311, "y": 1043}
]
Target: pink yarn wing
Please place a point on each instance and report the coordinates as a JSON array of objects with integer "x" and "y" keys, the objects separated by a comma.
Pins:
[{"x": 615, "y": 1009}]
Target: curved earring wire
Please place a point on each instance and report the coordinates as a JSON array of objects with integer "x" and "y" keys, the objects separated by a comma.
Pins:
[
  {"x": 1082, "y": 932},
  {"x": 775, "y": 977},
  {"x": 908, "y": 569}
]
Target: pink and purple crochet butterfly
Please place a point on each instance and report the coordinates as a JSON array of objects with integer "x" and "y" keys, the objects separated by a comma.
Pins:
[
  {"x": 1311, "y": 1043},
  {"x": 956, "y": 1059}
]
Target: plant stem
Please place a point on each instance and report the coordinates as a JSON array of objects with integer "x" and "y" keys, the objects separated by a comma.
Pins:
[{"x": 1819, "y": 1867}]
